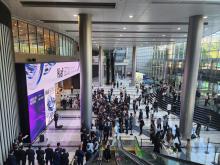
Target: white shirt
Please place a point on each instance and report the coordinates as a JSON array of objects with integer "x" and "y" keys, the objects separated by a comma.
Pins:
[{"x": 169, "y": 107}]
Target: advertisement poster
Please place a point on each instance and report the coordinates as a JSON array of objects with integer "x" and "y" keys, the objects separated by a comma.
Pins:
[
  {"x": 36, "y": 113},
  {"x": 50, "y": 103}
]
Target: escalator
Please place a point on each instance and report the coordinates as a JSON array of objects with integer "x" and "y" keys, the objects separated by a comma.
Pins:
[{"x": 151, "y": 158}]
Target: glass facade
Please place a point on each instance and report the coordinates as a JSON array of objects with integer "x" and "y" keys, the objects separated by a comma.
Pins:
[{"x": 31, "y": 39}]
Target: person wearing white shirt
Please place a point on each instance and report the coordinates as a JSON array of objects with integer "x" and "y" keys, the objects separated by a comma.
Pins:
[{"x": 168, "y": 108}]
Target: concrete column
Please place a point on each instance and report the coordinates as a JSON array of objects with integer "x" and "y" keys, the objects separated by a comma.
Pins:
[
  {"x": 195, "y": 31},
  {"x": 134, "y": 65},
  {"x": 85, "y": 49},
  {"x": 100, "y": 65}
]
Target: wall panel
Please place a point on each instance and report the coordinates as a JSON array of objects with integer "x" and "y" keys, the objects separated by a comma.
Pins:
[{"x": 9, "y": 118}]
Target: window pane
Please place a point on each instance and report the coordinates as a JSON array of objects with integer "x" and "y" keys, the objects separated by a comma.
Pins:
[
  {"x": 57, "y": 44},
  {"x": 52, "y": 43},
  {"x": 32, "y": 38},
  {"x": 64, "y": 45},
  {"x": 15, "y": 35},
  {"x": 40, "y": 40},
  {"x": 47, "y": 42},
  {"x": 23, "y": 37},
  {"x": 61, "y": 44}
]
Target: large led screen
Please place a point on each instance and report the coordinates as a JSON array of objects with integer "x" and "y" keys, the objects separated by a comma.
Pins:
[{"x": 41, "y": 79}]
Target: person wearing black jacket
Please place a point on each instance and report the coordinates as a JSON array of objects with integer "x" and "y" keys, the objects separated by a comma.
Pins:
[
  {"x": 49, "y": 154},
  {"x": 141, "y": 126},
  {"x": 64, "y": 157},
  {"x": 56, "y": 117},
  {"x": 79, "y": 155},
  {"x": 31, "y": 155},
  {"x": 177, "y": 134},
  {"x": 40, "y": 156},
  {"x": 147, "y": 108},
  {"x": 22, "y": 155},
  {"x": 11, "y": 159}
]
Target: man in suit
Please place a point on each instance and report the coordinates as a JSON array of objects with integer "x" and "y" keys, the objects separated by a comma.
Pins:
[
  {"x": 40, "y": 156},
  {"x": 49, "y": 154},
  {"x": 30, "y": 154},
  {"x": 22, "y": 155}
]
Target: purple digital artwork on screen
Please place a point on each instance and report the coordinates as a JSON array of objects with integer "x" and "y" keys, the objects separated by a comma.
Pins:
[{"x": 37, "y": 117}]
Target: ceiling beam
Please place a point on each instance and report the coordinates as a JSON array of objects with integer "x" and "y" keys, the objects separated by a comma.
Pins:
[
  {"x": 58, "y": 4},
  {"x": 115, "y": 23},
  {"x": 139, "y": 37},
  {"x": 150, "y": 32}
]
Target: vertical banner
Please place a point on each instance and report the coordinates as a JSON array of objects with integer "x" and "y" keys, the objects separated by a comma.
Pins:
[{"x": 37, "y": 118}]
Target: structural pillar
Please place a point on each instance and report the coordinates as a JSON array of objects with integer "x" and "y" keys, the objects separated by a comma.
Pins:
[
  {"x": 133, "y": 66},
  {"x": 195, "y": 31},
  {"x": 85, "y": 49},
  {"x": 100, "y": 65}
]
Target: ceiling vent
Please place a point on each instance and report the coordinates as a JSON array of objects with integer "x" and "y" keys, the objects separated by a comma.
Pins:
[{"x": 97, "y": 5}]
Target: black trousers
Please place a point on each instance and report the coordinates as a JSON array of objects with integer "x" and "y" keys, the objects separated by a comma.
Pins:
[{"x": 30, "y": 162}]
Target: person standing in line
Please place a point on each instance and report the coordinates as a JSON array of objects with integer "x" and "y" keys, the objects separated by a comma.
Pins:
[
  {"x": 147, "y": 108},
  {"x": 30, "y": 154},
  {"x": 79, "y": 155},
  {"x": 40, "y": 156},
  {"x": 22, "y": 155},
  {"x": 140, "y": 115},
  {"x": 126, "y": 124},
  {"x": 159, "y": 123},
  {"x": 177, "y": 134},
  {"x": 49, "y": 155},
  {"x": 134, "y": 106},
  {"x": 64, "y": 158},
  {"x": 56, "y": 118},
  {"x": 207, "y": 98},
  {"x": 11, "y": 159},
  {"x": 169, "y": 108},
  {"x": 198, "y": 129},
  {"x": 117, "y": 84},
  {"x": 141, "y": 126},
  {"x": 131, "y": 120}
]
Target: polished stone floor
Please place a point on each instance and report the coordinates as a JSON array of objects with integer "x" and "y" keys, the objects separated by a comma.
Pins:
[{"x": 69, "y": 135}]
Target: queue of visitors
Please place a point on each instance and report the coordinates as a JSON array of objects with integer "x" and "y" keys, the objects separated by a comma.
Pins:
[{"x": 18, "y": 155}]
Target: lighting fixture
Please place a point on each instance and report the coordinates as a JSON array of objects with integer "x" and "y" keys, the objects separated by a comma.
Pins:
[
  {"x": 205, "y": 17},
  {"x": 124, "y": 28},
  {"x": 179, "y": 28},
  {"x": 131, "y": 16},
  {"x": 163, "y": 35},
  {"x": 120, "y": 35},
  {"x": 75, "y": 15}
]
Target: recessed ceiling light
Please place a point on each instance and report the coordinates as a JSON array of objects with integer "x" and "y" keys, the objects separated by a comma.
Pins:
[
  {"x": 124, "y": 28},
  {"x": 120, "y": 35},
  {"x": 163, "y": 35},
  {"x": 75, "y": 15},
  {"x": 179, "y": 28},
  {"x": 131, "y": 16},
  {"x": 205, "y": 17}
]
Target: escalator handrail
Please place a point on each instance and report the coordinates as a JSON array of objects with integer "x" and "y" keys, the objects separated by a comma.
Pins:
[
  {"x": 132, "y": 156},
  {"x": 177, "y": 159},
  {"x": 170, "y": 157}
]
